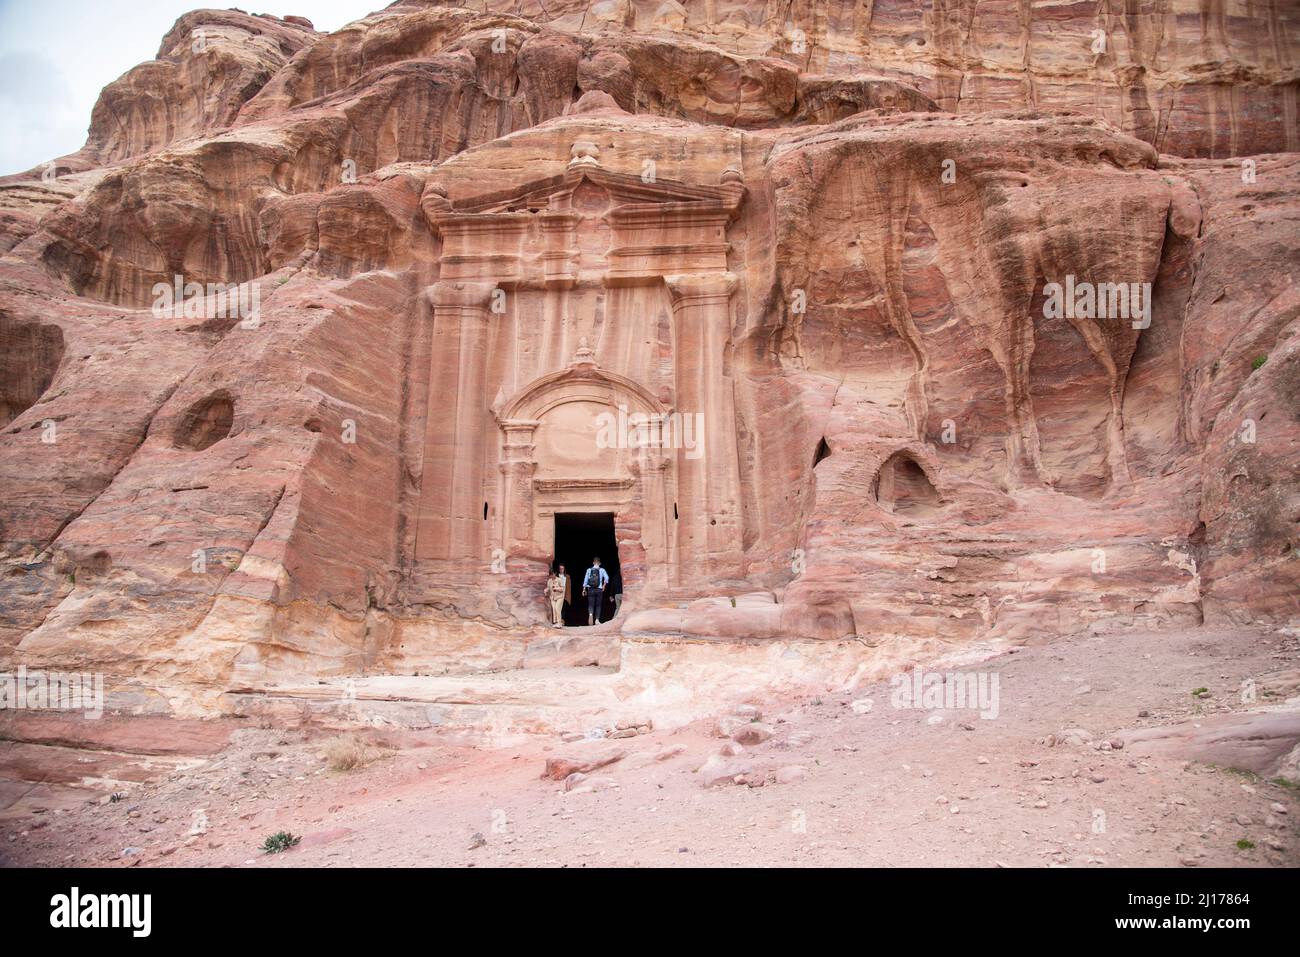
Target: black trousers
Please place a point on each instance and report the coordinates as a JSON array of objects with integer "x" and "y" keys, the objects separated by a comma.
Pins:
[{"x": 594, "y": 596}]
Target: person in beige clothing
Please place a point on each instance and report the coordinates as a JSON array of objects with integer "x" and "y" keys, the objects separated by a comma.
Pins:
[{"x": 559, "y": 592}]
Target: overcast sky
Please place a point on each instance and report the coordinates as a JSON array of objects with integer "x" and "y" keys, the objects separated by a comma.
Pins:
[{"x": 56, "y": 55}]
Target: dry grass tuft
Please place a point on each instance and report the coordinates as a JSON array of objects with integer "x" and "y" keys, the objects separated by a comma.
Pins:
[{"x": 350, "y": 752}]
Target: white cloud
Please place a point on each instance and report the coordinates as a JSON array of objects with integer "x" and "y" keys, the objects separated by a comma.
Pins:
[
  {"x": 36, "y": 109},
  {"x": 56, "y": 55}
]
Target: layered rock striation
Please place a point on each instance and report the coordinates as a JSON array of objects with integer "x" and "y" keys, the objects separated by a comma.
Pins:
[{"x": 964, "y": 334}]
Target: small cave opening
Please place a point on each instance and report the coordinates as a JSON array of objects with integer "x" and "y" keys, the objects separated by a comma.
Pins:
[
  {"x": 903, "y": 487},
  {"x": 823, "y": 452},
  {"x": 206, "y": 422},
  {"x": 30, "y": 354}
]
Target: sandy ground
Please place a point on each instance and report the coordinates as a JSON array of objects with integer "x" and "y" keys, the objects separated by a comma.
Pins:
[{"x": 840, "y": 784}]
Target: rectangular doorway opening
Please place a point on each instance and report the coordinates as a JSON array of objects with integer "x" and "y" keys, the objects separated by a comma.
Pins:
[{"x": 579, "y": 537}]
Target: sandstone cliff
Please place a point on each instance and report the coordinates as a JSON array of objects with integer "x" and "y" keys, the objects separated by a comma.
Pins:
[{"x": 839, "y": 250}]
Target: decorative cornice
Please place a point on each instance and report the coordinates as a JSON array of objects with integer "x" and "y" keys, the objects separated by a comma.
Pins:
[
  {"x": 558, "y": 484},
  {"x": 550, "y": 196}
]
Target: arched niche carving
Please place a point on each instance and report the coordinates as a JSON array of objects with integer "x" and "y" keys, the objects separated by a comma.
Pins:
[
  {"x": 546, "y": 475},
  {"x": 581, "y": 378}
]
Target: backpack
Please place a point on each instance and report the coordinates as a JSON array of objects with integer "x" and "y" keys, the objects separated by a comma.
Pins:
[{"x": 592, "y": 580}]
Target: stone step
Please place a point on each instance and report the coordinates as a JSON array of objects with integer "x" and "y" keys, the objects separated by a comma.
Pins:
[{"x": 494, "y": 709}]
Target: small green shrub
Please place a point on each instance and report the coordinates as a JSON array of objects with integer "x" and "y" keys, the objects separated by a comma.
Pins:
[
  {"x": 1257, "y": 362},
  {"x": 280, "y": 841}
]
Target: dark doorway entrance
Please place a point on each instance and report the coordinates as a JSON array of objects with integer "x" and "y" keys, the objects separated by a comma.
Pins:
[{"x": 578, "y": 537}]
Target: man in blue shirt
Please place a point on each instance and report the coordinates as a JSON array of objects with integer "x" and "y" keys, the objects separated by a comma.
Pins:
[{"x": 593, "y": 586}]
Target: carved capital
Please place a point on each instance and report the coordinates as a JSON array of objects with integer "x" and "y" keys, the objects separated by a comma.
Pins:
[
  {"x": 519, "y": 433},
  {"x": 435, "y": 205},
  {"x": 453, "y": 294},
  {"x": 700, "y": 289}
]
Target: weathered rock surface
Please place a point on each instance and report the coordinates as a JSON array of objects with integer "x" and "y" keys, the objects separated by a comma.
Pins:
[
  {"x": 464, "y": 235},
  {"x": 209, "y": 64},
  {"x": 1192, "y": 77},
  {"x": 1262, "y": 742}
]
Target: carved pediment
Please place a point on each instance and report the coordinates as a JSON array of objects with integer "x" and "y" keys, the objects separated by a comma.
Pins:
[
  {"x": 628, "y": 193},
  {"x": 587, "y": 224}
]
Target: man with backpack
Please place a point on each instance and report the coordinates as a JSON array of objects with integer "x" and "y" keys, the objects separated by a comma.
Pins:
[{"x": 593, "y": 586}]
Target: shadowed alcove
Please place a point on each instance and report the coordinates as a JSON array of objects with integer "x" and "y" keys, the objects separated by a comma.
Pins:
[
  {"x": 30, "y": 354},
  {"x": 580, "y": 536},
  {"x": 206, "y": 422},
  {"x": 903, "y": 487}
]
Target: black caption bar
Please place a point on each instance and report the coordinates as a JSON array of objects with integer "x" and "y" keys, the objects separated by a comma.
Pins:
[{"x": 138, "y": 907}]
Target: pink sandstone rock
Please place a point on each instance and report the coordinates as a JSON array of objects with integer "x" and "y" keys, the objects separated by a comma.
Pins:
[{"x": 481, "y": 242}]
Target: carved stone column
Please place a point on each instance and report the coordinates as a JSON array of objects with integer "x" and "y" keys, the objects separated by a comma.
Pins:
[
  {"x": 658, "y": 526},
  {"x": 451, "y": 521},
  {"x": 709, "y": 529},
  {"x": 517, "y": 469}
]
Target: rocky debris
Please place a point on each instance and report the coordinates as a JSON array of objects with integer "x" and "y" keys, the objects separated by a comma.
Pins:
[
  {"x": 727, "y": 725},
  {"x": 560, "y": 768},
  {"x": 721, "y": 769},
  {"x": 633, "y": 732},
  {"x": 742, "y": 723},
  {"x": 732, "y": 763},
  {"x": 619, "y": 730},
  {"x": 1073, "y": 737},
  {"x": 751, "y": 734},
  {"x": 790, "y": 774},
  {"x": 1157, "y": 811},
  {"x": 579, "y": 783}
]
